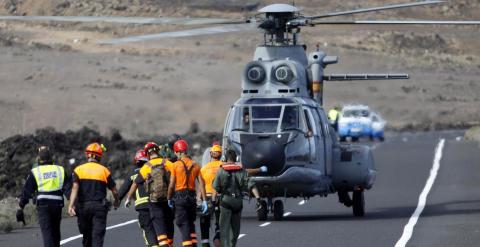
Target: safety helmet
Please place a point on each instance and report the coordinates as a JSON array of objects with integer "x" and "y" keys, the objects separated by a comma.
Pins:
[
  {"x": 180, "y": 146},
  {"x": 216, "y": 148},
  {"x": 95, "y": 149},
  {"x": 44, "y": 154},
  {"x": 140, "y": 156},
  {"x": 151, "y": 147},
  {"x": 216, "y": 151}
]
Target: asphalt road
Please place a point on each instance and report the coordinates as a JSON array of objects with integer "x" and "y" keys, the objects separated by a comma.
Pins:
[{"x": 451, "y": 216}]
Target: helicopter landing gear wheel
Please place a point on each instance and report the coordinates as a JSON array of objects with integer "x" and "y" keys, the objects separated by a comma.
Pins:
[
  {"x": 355, "y": 139},
  {"x": 358, "y": 203},
  {"x": 278, "y": 210},
  {"x": 262, "y": 212},
  {"x": 343, "y": 139}
]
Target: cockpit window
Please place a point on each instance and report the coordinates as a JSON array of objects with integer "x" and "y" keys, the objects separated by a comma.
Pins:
[
  {"x": 260, "y": 112},
  {"x": 240, "y": 119},
  {"x": 265, "y": 118},
  {"x": 356, "y": 113},
  {"x": 264, "y": 126},
  {"x": 290, "y": 119}
]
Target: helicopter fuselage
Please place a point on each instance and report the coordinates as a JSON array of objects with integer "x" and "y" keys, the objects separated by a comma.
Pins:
[{"x": 279, "y": 123}]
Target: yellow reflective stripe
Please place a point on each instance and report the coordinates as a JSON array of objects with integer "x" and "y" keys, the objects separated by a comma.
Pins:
[
  {"x": 141, "y": 200},
  {"x": 49, "y": 177},
  {"x": 186, "y": 243}
]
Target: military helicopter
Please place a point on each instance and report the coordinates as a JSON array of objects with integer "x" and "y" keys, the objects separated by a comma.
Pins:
[{"x": 279, "y": 121}]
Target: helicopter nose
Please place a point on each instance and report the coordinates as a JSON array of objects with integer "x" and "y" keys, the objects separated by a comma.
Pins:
[{"x": 264, "y": 153}]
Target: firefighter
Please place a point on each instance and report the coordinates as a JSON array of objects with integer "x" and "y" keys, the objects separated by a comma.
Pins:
[
  {"x": 89, "y": 191},
  {"x": 209, "y": 171},
  {"x": 141, "y": 200},
  {"x": 154, "y": 177},
  {"x": 181, "y": 193},
  {"x": 231, "y": 180},
  {"x": 50, "y": 181}
]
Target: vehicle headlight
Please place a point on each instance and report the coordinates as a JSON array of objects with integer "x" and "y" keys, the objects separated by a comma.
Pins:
[
  {"x": 284, "y": 74},
  {"x": 255, "y": 74}
]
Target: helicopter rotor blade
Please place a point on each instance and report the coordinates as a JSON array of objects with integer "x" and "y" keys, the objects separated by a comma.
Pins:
[
  {"x": 182, "y": 33},
  {"x": 396, "y": 22},
  {"x": 125, "y": 20},
  {"x": 388, "y": 7}
]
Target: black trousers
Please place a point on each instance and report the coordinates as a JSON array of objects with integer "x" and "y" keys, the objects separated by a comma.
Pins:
[
  {"x": 146, "y": 223},
  {"x": 205, "y": 224},
  {"x": 49, "y": 218},
  {"x": 92, "y": 222},
  {"x": 185, "y": 215},
  {"x": 162, "y": 218}
]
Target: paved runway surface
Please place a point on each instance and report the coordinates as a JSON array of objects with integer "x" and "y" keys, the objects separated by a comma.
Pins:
[{"x": 451, "y": 216}]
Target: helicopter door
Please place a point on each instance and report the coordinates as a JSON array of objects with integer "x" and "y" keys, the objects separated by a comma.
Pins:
[
  {"x": 327, "y": 140},
  {"x": 311, "y": 134},
  {"x": 319, "y": 137}
]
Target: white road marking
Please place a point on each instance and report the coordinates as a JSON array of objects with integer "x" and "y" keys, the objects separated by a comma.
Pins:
[
  {"x": 241, "y": 236},
  {"x": 108, "y": 228},
  {"x": 287, "y": 214},
  {"x": 265, "y": 224},
  {"x": 301, "y": 202},
  {"x": 459, "y": 138},
  {"x": 422, "y": 200}
]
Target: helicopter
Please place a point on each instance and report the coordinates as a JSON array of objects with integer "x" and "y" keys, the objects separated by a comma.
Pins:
[{"x": 279, "y": 120}]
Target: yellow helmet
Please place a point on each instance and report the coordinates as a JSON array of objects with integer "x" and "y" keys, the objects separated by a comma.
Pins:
[{"x": 216, "y": 148}]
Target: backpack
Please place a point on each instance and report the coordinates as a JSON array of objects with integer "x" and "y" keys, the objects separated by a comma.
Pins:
[{"x": 156, "y": 183}]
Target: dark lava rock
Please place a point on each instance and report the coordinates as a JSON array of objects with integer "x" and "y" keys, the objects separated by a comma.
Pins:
[{"x": 18, "y": 153}]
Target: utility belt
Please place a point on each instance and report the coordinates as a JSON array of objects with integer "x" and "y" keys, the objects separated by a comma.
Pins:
[{"x": 185, "y": 194}]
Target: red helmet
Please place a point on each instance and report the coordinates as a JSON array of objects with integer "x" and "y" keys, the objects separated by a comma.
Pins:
[
  {"x": 140, "y": 156},
  {"x": 151, "y": 147},
  {"x": 180, "y": 146},
  {"x": 95, "y": 149}
]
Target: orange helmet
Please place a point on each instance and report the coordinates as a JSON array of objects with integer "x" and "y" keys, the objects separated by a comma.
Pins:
[
  {"x": 95, "y": 149},
  {"x": 180, "y": 146}
]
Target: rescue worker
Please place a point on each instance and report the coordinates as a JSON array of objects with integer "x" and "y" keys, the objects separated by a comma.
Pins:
[
  {"x": 88, "y": 198},
  {"x": 141, "y": 200},
  {"x": 50, "y": 181},
  {"x": 209, "y": 171},
  {"x": 160, "y": 213},
  {"x": 231, "y": 180},
  {"x": 333, "y": 117},
  {"x": 182, "y": 193}
]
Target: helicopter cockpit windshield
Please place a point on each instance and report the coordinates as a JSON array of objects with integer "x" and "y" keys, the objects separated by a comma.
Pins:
[{"x": 265, "y": 116}]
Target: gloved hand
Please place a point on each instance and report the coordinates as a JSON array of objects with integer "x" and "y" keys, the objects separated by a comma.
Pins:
[
  {"x": 170, "y": 203},
  {"x": 263, "y": 169},
  {"x": 20, "y": 216},
  {"x": 204, "y": 207},
  {"x": 127, "y": 203}
]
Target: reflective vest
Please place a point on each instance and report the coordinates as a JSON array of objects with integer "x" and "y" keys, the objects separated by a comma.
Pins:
[
  {"x": 141, "y": 196},
  {"x": 49, "y": 178},
  {"x": 333, "y": 114}
]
